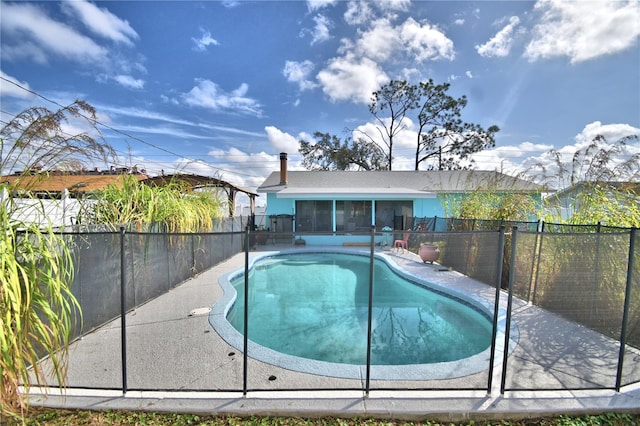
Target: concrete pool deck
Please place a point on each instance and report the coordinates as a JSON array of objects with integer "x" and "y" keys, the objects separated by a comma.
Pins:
[{"x": 173, "y": 351}]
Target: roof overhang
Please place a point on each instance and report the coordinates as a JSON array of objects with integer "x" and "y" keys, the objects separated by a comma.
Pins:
[{"x": 353, "y": 193}]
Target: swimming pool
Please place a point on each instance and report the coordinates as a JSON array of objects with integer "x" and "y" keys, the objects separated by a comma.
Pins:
[{"x": 308, "y": 311}]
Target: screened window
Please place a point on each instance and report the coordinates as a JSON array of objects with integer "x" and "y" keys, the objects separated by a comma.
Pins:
[
  {"x": 353, "y": 215},
  {"x": 395, "y": 214},
  {"x": 314, "y": 216}
]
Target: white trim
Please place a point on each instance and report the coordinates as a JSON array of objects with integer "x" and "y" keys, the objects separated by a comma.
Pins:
[{"x": 354, "y": 193}]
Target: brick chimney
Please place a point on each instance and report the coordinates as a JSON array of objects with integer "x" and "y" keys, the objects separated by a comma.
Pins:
[{"x": 283, "y": 168}]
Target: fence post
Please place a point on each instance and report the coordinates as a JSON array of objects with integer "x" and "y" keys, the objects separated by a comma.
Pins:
[
  {"x": 532, "y": 298},
  {"x": 535, "y": 262},
  {"x": 123, "y": 310},
  {"x": 167, "y": 244},
  {"x": 625, "y": 312},
  {"x": 596, "y": 271},
  {"x": 507, "y": 326},
  {"x": 370, "y": 309},
  {"x": 496, "y": 306},
  {"x": 193, "y": 254},
  {"x": 246, "y": 311}
]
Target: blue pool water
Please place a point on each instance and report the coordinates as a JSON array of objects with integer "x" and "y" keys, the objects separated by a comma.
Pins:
[{"x": 314, "y": 306}]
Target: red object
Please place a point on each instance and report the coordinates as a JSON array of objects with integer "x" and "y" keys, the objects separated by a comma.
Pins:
[{"x": 403, "y": 243}]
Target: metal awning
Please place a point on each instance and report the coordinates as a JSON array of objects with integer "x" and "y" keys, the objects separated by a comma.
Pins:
[{"x": 196, "y": 181}]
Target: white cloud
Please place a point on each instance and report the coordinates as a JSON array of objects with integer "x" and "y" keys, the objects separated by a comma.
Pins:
[
  {"x": 521, "y": 150},
  {"x": 321, "y": 31},
  {"x": 314, "y": 5},
  {"x": 500, "y": 44},
  {"x": 102, "y": 22},
  {"x": 411, "y": 73},
  {"x": 43, "y": 37},
  {"x": 298, "y": 72},
  {"x": 9, "y": 89},
  {"x": 425, "y": 42},
  {"x": 468, "y": 74},
  {"x": 379, "y": 42},
  {"x": 156, "y": 120},
  {"x": 30, "y": 34},
  {"x": 25, "y": 50},
  {"x": 524, "y": 148},
  {"x": 240, "y": 91},
  {"x": 169, "y": 100},
  {"x": 129, "y": 81},
  {"x": 583, "y": 30},
  {"x": 207, "y": 94},
  {"x": 459, "y": 21},
  {"x": 391, "y": 5},
  {"x": 201, "y": 44},
  {"x": 611, "y": 132},
  {"x": 350, "y": 78},
  {"x": 281, "y": 141},
  {"x": 356, "y": 74},
  {"x": 358, "y": 12}
]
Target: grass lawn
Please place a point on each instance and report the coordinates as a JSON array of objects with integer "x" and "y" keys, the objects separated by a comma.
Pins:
[{"x": 124, "y": 418}]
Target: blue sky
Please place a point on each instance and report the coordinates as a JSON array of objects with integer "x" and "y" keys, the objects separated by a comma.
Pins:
[{"x": 221, "y": 88}]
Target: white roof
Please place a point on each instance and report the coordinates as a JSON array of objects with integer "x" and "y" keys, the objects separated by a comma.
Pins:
[{"x": 409, "y": 183}]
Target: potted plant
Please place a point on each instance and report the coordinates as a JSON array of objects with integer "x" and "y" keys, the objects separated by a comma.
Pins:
[{"x": 428, "y": 252}]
